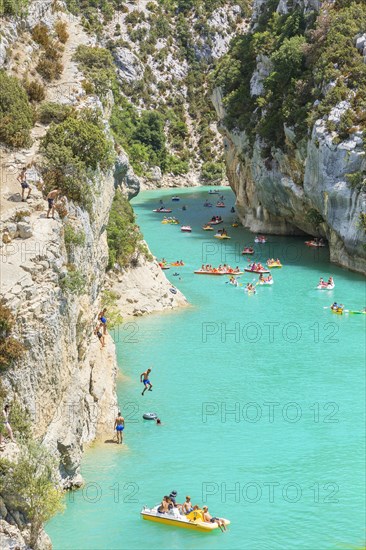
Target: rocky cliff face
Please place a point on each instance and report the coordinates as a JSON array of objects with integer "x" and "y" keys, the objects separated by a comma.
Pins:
[{"x": 276, "y": 192}]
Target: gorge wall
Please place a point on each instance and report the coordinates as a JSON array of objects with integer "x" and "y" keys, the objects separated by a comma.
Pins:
[{"x": 303, "y": 182}]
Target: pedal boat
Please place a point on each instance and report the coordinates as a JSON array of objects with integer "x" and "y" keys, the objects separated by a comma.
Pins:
[{"x": 193, "y": 521}]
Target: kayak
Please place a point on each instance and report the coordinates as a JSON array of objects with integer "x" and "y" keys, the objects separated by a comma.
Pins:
[
  {"x": 314, "y": 244},
  {"x": 358, "y": 312},
  {"x": 256, "y": 270},
  {"x": 325, "y": 287},
  {"x": 218, "y": 236},
  {"x": 186, "y": 228},
  {"x": 338, "y": 310},
  {"x": 163, "y": 210},
  {"x": 193, "y": 520},
  {"x": 203, "y": 272},
  {"x": 248, "y": 251},
  {"x": 250, "y": 291}
]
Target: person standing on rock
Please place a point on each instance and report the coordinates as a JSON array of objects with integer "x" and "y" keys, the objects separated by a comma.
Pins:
[
  {"x": 52, "y": 199},
  {"x": 119, "y": 426},
  {"x": 103, "y": 320},
  {"x": 6, "y": 413},
  {"x": 144, "y": 378},
  {"x": 23, "y": 182},
  {"x": 100, "y": 335}
]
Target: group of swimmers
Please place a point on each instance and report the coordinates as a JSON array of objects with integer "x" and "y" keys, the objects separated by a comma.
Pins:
[
  {"x": 169, "y": 503},
  {"x": 221, "y": 269}
]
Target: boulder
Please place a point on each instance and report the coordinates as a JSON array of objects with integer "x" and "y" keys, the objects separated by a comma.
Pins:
[
  {"x": 11, "y": 229},
  {"x": 24, "y": 229},
  {"x": 129, "y": 67}
]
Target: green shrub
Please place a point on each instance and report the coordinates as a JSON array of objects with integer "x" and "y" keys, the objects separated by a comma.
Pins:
[
  {"x": 73, "y": 238},
  {"x": 314, "y": 217},
  {"x": 29, "y": 485},
  {"x": 134, "y": 18},
  {"x": 176, "y": 166},
  {"x": 35, "y": 90},
  {"x": 212, "y": 172},
  {"x": 109, "y": 300},
  {"x": 13, "y": 7},
  {"x": 16, "y": 115},
  {"x": 73, "y": 283},
  {"x": 73, "y": 150},
  {"x": 356, "y": 180},
  {"x": 53, "y": 112},
  {"x": 123, "y": 235},
  {"x": 10, "y": 348},
  {"x": 98, "y": 67}
]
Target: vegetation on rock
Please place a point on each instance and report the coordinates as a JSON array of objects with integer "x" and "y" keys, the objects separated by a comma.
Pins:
[
  {"x": 10, "y": 348},
  {"x": 16, "y": 115},
  {"x": 124, "y": 237}
]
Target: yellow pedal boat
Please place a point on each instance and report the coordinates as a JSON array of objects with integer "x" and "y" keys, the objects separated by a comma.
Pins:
[{"x": 193, "y": 521}]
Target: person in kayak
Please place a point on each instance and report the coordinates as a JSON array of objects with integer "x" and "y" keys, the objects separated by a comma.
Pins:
[
  {"x": 144, "y": 378},
  {"x": 119, "y": 426},
  {"x": 207, "y": 517}
]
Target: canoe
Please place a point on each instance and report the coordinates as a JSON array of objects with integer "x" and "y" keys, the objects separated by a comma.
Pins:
[
  {"x": 163, "y": 210},
  {"x": 222, "y": 237},
  {"x": 193, "y": 520},
  {"x": 256, "y": 270},
  {"x": 200, "y": 272},
  {"x": 325, "y": 287}
]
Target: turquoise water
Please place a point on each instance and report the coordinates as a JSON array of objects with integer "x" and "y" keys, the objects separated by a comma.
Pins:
[{"x": 262, "y": 400}]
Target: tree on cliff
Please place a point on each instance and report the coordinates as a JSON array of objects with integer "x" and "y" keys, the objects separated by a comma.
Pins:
[{"x": 30, "y": 487}]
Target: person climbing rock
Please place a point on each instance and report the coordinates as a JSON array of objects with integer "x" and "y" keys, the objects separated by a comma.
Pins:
[{"x": 100, "y": 335}]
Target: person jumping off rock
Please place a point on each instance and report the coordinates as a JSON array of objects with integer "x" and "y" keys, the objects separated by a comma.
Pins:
[{"x": 144, "y": 378}]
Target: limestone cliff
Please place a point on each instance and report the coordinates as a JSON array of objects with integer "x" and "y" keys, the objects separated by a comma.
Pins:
[{"x": 280, "y": 188}]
